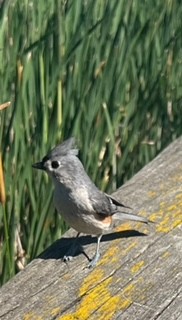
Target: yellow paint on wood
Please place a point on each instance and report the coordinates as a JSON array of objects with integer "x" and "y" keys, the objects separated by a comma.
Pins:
[
  {"x": 32, "y": 316},
  {"x": 124, "y": 304},
  {"x": 156, "y": 216},
  {"x": 179, "y": 196},
  {"x": 123, "y": 227},
  {"x": 67, "y": 276},
  {"x": 166, "y": 254},
  {"x": 100, "y": 300},
  {"x": 54, "y": 312},
  {"x": 132, "y": 245},
  {"x": 137, "y": 267},
  {"x": 169, "y": 215},
  {"x": 177, "y": 177},
  {"x": 91, "y": 301},
  {"x": 131, "y": 225},
  {"x": 91, "y": 280},
  {"x": 152, "y": 194},
  {"x": 95, "y": 298},
  {"x": 111, "y": 255},
  {"x": 162, "y": 204},
  {"x": 98, "y": 297},
  {"x": 172, "y": 216},
  {"x": 107, "y": 310},
  {"x": 126, "y": 299},
  {"x": 128, "y": 290},
  {"x": 68, "y": 317},
  {"x": 143, "y": 213},
  {"x": 165, "y": 226}
]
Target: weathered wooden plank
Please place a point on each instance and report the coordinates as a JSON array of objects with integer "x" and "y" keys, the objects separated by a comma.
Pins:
[{"x": 140, "y": 273}]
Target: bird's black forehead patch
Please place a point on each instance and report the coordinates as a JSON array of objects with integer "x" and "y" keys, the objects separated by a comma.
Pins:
[{"x": 45, "y": 159}]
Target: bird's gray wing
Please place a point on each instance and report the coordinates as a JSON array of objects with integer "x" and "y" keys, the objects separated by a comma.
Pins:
[
  {"x": 103, "y": 204},
  {"x": 116, "y": 202},
  {"x": 120, "y": 215}
]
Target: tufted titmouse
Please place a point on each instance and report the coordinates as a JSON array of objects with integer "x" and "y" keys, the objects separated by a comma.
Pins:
[{"x": 83, "y": 206}]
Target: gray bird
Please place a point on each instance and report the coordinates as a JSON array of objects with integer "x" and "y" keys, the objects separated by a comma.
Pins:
[{"x": 83, "y": 206}]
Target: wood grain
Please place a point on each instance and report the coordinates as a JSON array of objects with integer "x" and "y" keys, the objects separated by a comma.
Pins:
[{"x": 139, "y": 275}]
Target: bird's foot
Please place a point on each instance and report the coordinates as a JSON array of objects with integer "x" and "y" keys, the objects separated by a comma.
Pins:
[
  {"x": 67, "y": 258},
  {"x": 94, "y": 261},
  {"x": 72, "y": 251}
]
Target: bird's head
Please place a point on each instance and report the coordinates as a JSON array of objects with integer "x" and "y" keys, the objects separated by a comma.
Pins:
[{"x": 59, "y": 160}]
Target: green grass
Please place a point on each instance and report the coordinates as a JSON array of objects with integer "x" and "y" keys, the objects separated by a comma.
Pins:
[{"x": 107, "y": 72}]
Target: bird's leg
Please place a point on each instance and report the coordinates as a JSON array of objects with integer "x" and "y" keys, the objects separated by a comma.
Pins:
[
  {"x": 96, "y": 257},
  {"x": 72, "y": 250}
]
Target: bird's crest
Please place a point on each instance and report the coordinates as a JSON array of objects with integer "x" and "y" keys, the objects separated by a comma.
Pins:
[{"x": 68, "y": 147}]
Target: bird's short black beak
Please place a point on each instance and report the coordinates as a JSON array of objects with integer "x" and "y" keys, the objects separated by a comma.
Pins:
[{"x": 39, "y": 165}]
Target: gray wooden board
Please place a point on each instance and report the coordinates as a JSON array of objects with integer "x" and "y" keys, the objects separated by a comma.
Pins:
[{"x": 139, "y": 275}]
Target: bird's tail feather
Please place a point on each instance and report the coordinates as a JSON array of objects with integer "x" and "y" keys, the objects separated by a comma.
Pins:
[{"x": 124, "y": 216}]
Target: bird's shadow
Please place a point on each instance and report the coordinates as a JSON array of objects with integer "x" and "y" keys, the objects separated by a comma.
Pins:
[{"x": 59, "y": 248}]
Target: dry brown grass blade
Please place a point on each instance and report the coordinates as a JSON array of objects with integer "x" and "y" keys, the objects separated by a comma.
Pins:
[
  {"x": 2, "y": 184},
  {"x": 5, "y": 105},
  {"x": 19, "y": 251}
]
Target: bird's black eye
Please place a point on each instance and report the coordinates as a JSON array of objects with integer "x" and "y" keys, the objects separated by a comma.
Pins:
[{"x": 55, "y": 164}]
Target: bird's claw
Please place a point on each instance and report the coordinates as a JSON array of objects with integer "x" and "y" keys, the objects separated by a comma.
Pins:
[
  {"x": 94, "y": 261},
  {"x": 67, "y": 258}
]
